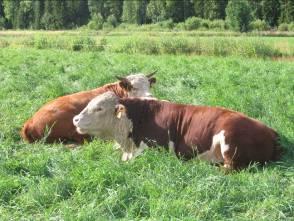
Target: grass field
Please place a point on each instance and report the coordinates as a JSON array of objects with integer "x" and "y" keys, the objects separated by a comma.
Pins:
[
  {"x": 49, "y": 182},
  {"x": 150, "y": 42}
]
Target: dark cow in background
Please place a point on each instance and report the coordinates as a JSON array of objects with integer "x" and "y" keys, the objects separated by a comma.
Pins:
[
  {"x": 57, "y": 115},
  {"x": 214, "y": 134}
]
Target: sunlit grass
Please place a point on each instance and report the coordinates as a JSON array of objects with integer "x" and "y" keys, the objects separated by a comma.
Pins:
[{"x": 42, "y": 182}]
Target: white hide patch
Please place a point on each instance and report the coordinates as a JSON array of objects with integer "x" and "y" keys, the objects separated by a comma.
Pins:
[
  {"x": 217, "y": 150},
  {"x": 136, "y": 152},
  {"x": 171, "y": 145}
]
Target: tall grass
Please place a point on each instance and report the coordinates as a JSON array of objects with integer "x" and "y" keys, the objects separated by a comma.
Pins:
[
  {"x": 49, "y": 182},
  {"x": 157, "y": 44}
]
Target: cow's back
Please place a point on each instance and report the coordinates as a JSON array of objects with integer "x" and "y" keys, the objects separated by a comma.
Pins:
[{"x": 53, "y": 121}]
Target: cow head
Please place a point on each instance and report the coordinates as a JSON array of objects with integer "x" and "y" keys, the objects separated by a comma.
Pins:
[
  {"x": 137, "y": 85},
  {"x": 98, "y": 116}
]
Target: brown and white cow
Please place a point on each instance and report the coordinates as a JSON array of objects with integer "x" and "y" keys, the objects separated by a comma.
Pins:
[
  {"x": 57, "y": 115},
  {"x": 213, "y": 133}
]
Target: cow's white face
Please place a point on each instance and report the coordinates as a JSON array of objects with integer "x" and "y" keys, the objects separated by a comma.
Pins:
[
  {"x": 140, "y": 85},
  {"x": 98, "y": 116}
]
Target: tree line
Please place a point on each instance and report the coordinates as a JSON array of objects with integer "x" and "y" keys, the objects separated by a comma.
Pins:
[{"x": 67, "y": 14}]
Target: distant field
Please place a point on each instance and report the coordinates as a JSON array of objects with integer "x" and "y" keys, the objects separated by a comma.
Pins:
[
  {"x": 151, "y": 42},
  {"x": 50, "y": 182}
]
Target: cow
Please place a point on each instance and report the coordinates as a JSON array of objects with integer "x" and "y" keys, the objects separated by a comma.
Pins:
[
  {"x": 215, "y": 134},
  {"x": 53, "y": 121}
]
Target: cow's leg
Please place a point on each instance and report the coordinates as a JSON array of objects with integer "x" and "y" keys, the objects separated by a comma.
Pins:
[{"x": 216, "y": 153}]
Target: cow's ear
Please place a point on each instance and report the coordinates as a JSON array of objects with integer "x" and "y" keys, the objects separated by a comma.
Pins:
[
  {"x": 125, "y": 83},
  {"x": 152, "y": 80},
  {"x": 119, "y": 110}
]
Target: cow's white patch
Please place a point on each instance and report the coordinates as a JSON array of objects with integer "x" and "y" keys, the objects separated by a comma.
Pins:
[
  {"x": 171, "y": 144},
  {"x": 217, "y": 150},
  {"x": 134, "y": 152}
]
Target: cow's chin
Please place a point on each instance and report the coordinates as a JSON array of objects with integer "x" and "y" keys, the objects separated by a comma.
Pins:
[{"x": 81, "y": 131}]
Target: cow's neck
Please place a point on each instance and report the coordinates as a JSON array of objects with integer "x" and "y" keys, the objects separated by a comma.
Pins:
[{"x": 114, "y": 87}]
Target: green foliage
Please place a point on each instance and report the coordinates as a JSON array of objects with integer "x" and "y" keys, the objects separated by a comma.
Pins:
[
  {"x": 52, "y": 15},
  {"x": 217, "y": 24},
  {"x": 49, "y": 182},
  {"x": 271, "y": 10},
  {"x": 96, "y": 22},
  {"x": 291, "y": 26},
  {"x": 112, "y": 21},
  {"x": 283, "y": 27},
  {"x": 156, "y": 11},
  {"x": 238, "y": 15},
  {"x": 259, "y": 25},
  {"x": 287, "y": 11},
  {"x": 193, "y": 23},
  {"x": 86, "y": 43}
]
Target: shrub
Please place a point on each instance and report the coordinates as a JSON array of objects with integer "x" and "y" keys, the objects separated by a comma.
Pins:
[
  {"x": 193, "y": 23},
  {"x": 291, "y": 26},
  {"x": 96, "y": 22},
  {"x": 238, "y": 15},
  {"x": 283, "y": 27},
  {"x": 112, "y": 21},
  {"x": 41, "y": 42},
  {"x": 2, "y": 23},
  {"x": 259, "y": 25},
  {"x": 205, "y": 23},
  {"x": 169, "y": 24},
  {"x": 86, "y": 43},
  {"x": 180, "y": 26},
  {"x": 217, "y": 24}
]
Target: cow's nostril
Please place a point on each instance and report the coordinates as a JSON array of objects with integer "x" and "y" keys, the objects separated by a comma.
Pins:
[{"x": 76, "y": 119}]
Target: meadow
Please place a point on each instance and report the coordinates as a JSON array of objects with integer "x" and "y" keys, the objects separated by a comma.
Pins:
[{"x": 50, "y": 182}]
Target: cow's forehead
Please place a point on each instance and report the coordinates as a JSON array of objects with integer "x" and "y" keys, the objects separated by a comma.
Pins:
[
  {"x": 137, "y": 78},
  {"x": 104, "y": 99}
]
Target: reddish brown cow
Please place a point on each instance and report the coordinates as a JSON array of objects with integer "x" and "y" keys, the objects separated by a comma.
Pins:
[
  {"x": 215, "y": 134},
  {"x": 56, "y": 116}
]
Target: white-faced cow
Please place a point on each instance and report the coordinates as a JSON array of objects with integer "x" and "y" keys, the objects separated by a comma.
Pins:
[
  {"x": 212, "y": 133},
  {"x": 57, "y": 115}
]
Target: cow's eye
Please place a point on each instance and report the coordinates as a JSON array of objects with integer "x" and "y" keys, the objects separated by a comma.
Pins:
[{"x": 98, "y": 109}]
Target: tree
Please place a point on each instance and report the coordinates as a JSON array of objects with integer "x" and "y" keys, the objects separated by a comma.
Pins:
[
  {"x": 37, "y": 8},
  {"x": 134, "y": 11},
  {"x": 24, "y": 17},
  {"x": 287, "y": 11},
  {"x": 238, "y": 15},
  {"x": 156, "y": 11},
  {"x": 2, "y": 16},
  {"x": 11, "y": 11},
  {"x": 256, "y": 8},
  {"x": 178, "y": 11},
  {"x": 271, "y": 11}
]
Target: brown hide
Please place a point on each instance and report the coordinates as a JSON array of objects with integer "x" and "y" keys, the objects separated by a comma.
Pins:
[
  {"x": 191, "y": 129},
  {"x": 54, "y": 119}
]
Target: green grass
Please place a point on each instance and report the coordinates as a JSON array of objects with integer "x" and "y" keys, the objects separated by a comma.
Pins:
[
  {"x": 150, "y": 42},
  {"x": 42, "y": 182}
]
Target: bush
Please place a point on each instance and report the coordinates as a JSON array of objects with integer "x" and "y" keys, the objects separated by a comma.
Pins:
[
  {"x": 112, "y": 21},
  {"x": 259, "y": 25},
  {"x": 169, "y": 24},
  {"x": 41, "y": 42},
  {"x": 2, "y": 23},
  {"x": 193, "y": 23},
  {"x": 179, "y": 26},
  {"x": 205, "y": 23},
  {"x": 283, "y": 27},
  {"x": 86, "y": 43},
  {"x": 217, "y": 24},
  {"x": 238, "y": 15},
  {"x": 96, "y": 22},
  {"x": 291, "y": 26}
]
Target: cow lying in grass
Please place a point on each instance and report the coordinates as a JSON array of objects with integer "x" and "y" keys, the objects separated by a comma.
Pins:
[
  {"x": 214, "y": 134},
  {"x": 57, "y": 115}
]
